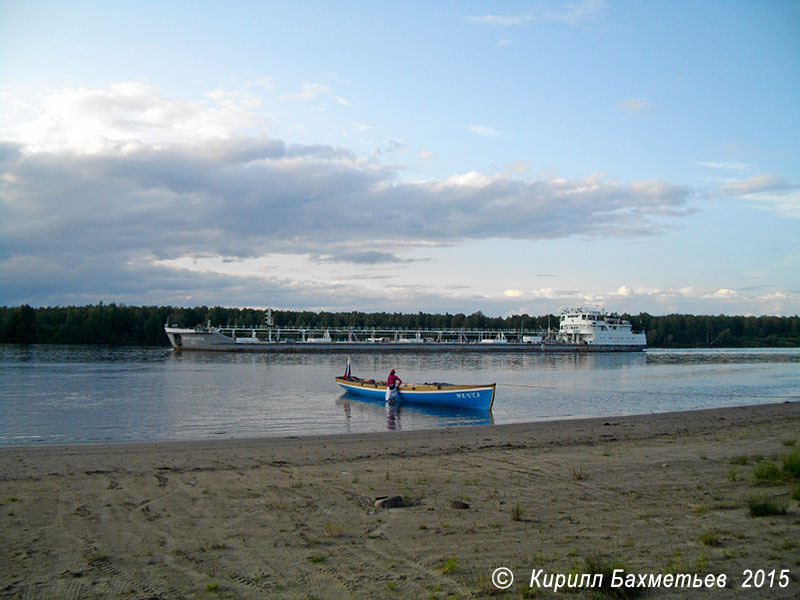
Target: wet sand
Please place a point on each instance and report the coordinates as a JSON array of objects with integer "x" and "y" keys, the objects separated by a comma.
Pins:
[{"x": 296, "y": 517}]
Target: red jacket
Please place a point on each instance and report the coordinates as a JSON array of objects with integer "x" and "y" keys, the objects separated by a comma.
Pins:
[{"x": 393, "y": 379}]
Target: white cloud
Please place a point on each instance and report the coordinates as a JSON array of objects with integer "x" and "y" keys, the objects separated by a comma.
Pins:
[
  {"x": 550, "y": 293},
  {"x": 512, "y": 293},
  {"x": 767, "y": 190},
  {"x": 786, "y": 202},
  {"x": 725, "y": 294},
  {"x": 756, "y": 184},
  {"x": 634, "y": 105},
  {"x": 727, "y": 166},
  {"x": 472, "y": 180},
  {"x": 484, "y": 130},
  {"x": 580, "y": 13},
  {"x": 583, "y": 12},
  {"x": 774, "y": 296},
  {"x": 310, "y": 91},
  {"x": 126, "y": 115},
  {"x": 263, "y": 82},
  {"x": 501, "y": 19},
  {"x": 235, "y": 98}
]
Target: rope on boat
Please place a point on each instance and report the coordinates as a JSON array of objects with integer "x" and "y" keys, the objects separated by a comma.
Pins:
[{"x": 653, "y": 393}]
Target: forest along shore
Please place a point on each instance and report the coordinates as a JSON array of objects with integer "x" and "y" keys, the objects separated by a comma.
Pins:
[
  {"x": 296, "y": 517},
  {"x": 144, "y": 325}
]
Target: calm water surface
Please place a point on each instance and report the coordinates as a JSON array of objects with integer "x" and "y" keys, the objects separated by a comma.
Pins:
[{"x": 72, "y": 394}]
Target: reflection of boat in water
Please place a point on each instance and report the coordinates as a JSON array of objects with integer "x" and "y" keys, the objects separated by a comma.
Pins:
[
  {"x": 476, "y": 397},
  {"x": 413, "y": 414}
]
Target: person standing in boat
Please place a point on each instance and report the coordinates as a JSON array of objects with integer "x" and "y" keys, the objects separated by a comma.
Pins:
[
  {"x": 393, "y": 380},
  {"x": 392, "y": 383}
]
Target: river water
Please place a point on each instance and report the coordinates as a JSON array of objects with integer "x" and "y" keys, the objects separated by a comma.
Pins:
[{"x": 77, "y": 394}]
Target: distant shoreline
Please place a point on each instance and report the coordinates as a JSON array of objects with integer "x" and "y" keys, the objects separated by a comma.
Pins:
[{"x": 144, "y": 325}]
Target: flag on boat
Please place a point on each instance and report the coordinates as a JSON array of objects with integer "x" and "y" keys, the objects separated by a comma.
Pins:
[{"x": 347, "y": 369}]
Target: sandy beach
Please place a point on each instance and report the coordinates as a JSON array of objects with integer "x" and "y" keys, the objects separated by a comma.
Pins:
[{"x": 296, "y": 517}]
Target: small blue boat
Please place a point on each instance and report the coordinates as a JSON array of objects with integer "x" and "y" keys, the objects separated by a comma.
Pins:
[{"x": 476, "y": 397}]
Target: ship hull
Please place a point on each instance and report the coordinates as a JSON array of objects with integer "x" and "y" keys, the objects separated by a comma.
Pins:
[
  {"x": 211, "y": 340},
  {"x": 355, "y": 347}
]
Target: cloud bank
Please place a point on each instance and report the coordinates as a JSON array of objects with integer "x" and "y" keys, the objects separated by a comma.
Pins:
[
  {"x": 762, "y": 300},
  {"x": 101, "y": 188}
]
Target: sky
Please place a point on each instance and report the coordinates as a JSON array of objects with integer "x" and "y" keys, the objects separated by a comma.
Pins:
[{"x": 503, "y": 157}]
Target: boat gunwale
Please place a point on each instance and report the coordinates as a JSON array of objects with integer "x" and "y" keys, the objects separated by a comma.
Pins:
[{"x": 414, "y": 387}]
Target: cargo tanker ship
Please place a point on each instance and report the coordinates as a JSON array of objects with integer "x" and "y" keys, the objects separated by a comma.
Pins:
[{"x": 580, "y": 330}]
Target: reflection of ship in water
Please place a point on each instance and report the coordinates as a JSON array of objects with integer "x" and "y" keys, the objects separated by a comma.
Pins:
[{"x": 374, "y": 410}]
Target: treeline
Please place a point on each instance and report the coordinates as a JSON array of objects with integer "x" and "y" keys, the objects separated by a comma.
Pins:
[
  {"x": 100, "y": 324},
  {"x": 144, "y": 325},
  {"x": 722, "y": 331}
]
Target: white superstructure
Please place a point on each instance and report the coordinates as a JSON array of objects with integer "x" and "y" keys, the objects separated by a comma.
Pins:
[{"x": 595, "y": 327}]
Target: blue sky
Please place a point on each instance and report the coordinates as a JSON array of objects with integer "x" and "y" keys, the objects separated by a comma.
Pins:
[{"x": 446, "y": 157}]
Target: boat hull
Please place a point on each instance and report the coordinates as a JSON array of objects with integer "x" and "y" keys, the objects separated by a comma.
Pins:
[{"x": 476, "y": 397}]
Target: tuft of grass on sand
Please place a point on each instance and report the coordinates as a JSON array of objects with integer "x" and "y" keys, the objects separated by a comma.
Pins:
[
  {"x": 577, "y": 474},
  {"x": 763, "y": 506},
  {"x": 97, "y": 558},
  {"x": 517, "y": 512},
  {"x": 334, "y": 529},
  {"x": 449, "y": 564},
  {"x": 791, "y": 464},
  {"x": 767, "y": 472},
  {"x": 710, "y": 538},
  {"x": 701, "y": 563},
  {"x": 676, "y": 563},
  {"x": 770, "y": 472}
]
